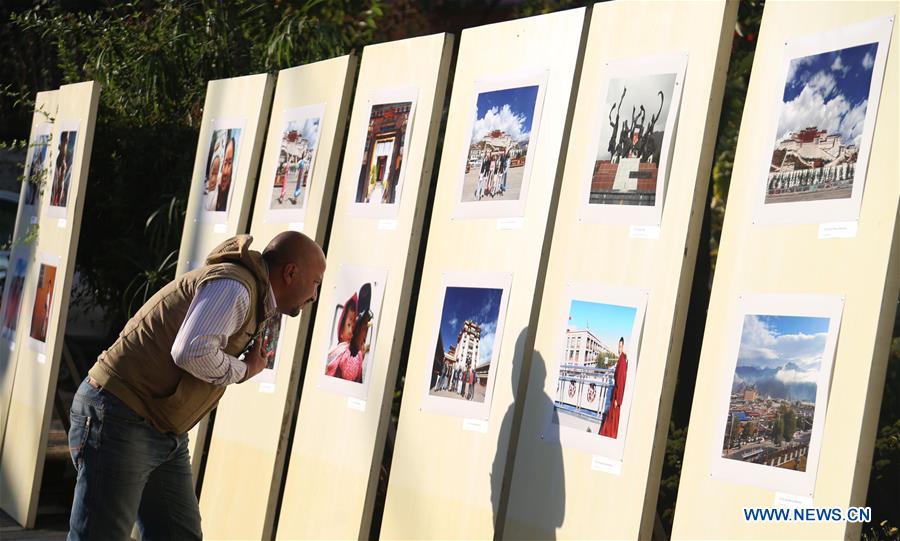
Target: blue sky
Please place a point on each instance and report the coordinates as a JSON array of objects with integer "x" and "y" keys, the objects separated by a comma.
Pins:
[
  {"x": 774, "y": 341},
  {"x": 853, "y": 74},
  {"x": 608, "y": 322},
  {"x": 481, "y": 305},
  {"x": 830, "y": 91},
  {"x": 510, "y": 110}
]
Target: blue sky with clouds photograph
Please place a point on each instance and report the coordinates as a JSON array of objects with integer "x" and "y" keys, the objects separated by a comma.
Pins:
[
  {"x": 782, "y": 355},
  {"x": 608, "y": 322},
  {"x": 829, "y": 91},
  {"x": 510, "y": 110},
  {"x": 478, "y": 304}
]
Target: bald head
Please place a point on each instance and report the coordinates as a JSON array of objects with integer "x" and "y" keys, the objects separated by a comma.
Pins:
[{"x": 296, "y": 266}]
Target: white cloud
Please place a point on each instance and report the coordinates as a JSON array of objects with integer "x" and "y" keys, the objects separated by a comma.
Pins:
[
  {"x": 852, "y": 124},
  {"x": 453, "y": 322},
  {"x": 310, "y": 131},
  {"x": 762, "y": 347},
  {"x": 815, "y": 106},
  {"x": 822, "y": 83},
  {"x": 868, "y": 61},
  {"x": 308, "y": 128},
  {"x": 486, "y": 344},
  {"x": 795, "y": 65},
  {"x": 797, "y": 376},
  {"x": 838, "y": 65},
  {"x": 503, "y": 119}
]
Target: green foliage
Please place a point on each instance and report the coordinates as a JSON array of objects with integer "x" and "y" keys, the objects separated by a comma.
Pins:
[
  {"x": 741, "y": 62},
  {"x": 789, "y": 419},
  {"x": 778, "y": 430},
  {"x": 885, "y": 473},
  {"x": 153, "y": 60},
  {"x": 668, "y": 485}
]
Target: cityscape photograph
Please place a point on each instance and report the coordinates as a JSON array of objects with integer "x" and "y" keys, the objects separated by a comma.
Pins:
[{"x": 773, "y": 393}]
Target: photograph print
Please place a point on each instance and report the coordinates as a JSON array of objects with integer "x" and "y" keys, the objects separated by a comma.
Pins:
[
  {"x": 43, "y": 299},
  {"x": 62, "y": 171},
  {"x": 636, "y": 116},
  {"x": 380, "y": 175},
  {"x": 595, "y": 371},
  {"x": 15, "y": 287},
  {"x": 271, "y": 337},
  {"x": 221, "y": 165},
  {"x": 36, "y": 171},
  {"x": 773, "y": 391},
  {"x": 464, "y": 350},
  {"x": 357, "y": 297},
  {"x": 820, "y": 126},
  {"x": 597, "y": 363},
  {"x": 296, "y": 157},
  {"x": 499, "y": 144}
]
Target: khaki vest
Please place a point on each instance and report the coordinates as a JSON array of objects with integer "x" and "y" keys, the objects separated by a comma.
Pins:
[{"x": 139, "y": 369}]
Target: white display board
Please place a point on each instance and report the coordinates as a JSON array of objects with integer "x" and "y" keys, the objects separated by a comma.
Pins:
[
  {"x": 486, "y": 251},
  {"x": 21, "y": 254},
  {"x": 247, "y": 448},
  {"x": 359, "y": 326},
  {"x": 787, "y": 292},
  {"x": 223, "y": 180},
  {"x": 621, "y": 266},
  {"x": 45, "y": 298}
]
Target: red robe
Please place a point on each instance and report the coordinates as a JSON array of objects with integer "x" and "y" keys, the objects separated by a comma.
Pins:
[{"x": 610, "y": 427}]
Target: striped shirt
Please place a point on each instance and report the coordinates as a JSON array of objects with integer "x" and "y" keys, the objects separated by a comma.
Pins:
[{"x": 218, "y": 310}]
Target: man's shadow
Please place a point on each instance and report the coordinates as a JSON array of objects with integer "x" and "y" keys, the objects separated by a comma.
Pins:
[{"x": 550, "y": 476}]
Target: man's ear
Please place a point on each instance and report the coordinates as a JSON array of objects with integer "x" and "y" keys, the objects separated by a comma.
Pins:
[{"x": 289, "y": 273}]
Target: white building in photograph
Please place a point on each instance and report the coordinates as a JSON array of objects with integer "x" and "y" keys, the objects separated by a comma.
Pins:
[
  {"x": 584, "y": 348},
  {"x": 467, "y": 345}
]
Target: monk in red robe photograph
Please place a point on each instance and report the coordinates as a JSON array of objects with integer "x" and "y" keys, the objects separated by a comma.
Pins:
[{"x": 610, "y": 427}]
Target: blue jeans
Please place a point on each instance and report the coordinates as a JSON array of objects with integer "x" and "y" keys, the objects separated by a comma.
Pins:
[{"x": 127, "y": 470}]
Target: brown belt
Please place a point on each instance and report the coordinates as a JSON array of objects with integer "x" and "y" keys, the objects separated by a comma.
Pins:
[{"x": 93, "y": 383}]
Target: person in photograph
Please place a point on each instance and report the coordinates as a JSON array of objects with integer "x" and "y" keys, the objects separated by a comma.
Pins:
[
  {"x": 346, "y": 358},
  {"x": 465, "y": 381},
  {"x": 341, "y": 350},
  {"x": 472, "y": 380},
  {"x": 35, "y": 172},
  {"x": 12, "y": 303},
  {"x": 212, "y": 183},
  {"x": 445, "y": 377},
  {"x": 58, "y": 194},
  {"x": 225, "y": 177},
  {"x": 610, "y": 427},
  {"x": 298, "y": 187},
  {"x": 197, "y": 335},
  {"x": 505, "y": 172},
  {"x": 282, "y": 175},
  {"x": 492, "y": 184},
  {"x": 48, "y": 298},
  {"x": 483, "y": 174},
  {"x": 352, "y": 370}
]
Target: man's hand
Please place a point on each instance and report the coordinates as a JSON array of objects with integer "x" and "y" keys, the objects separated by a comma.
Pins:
[{"x": 255, "y": 361}]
